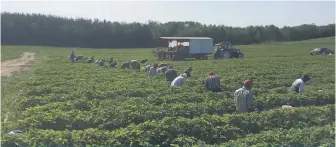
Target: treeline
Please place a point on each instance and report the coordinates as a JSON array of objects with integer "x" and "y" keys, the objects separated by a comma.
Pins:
[{"x": 49, "y": 30}]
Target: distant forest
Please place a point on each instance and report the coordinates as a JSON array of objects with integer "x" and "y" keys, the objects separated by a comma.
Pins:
[{"x": 49, "y": 30}]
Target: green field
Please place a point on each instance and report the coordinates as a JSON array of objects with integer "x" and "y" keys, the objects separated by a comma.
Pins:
[{"x": 56, "y": 99}]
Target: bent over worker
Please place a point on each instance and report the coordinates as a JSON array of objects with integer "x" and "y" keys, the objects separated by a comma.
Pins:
[
  {"x": 178, "y": 81},
  {"x": 101, "y": 62},
  {"x": 298, "y": 85},
  {"x": 113, "y": 64},
  {"x": 125, "y": 65},
  {"x": 152, "y": 70},
  {"x": 135, "y": 65},
  {"x": 171, "y": 74},
  {"x": 91, "y": 60},
  {"x": 161, "y": 70},
  {"x": 212, "y": 83},
  {"x": 163, "y": 64},
  {"x": 147, "y": 68},
  {"x": 244, "y": 97}
]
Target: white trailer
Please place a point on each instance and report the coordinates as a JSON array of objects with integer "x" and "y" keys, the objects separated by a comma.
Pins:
[{"x": 186, "y": 47}]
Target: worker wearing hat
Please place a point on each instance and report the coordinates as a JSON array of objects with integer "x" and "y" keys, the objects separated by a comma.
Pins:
[
  {"x": 244, "y": 97},
  {"x": 212, "y": 83},
  {"x": 135, "y": 65},
  {"x": 298, "y": 84}
]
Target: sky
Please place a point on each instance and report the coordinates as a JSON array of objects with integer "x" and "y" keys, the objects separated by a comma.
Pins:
[{"x": 229, "y": 13}]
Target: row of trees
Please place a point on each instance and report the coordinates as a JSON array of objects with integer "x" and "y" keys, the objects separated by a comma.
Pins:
[{"x": 49, "y": 30}]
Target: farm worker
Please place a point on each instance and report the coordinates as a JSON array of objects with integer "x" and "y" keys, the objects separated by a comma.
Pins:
[
  {"x": 79, "y": 58},
  {"x": 101, "y": 62},
  {"x": 152, "y": 70},
  {"x": 91, "y": 60},
  {"x": 244, "y": 97},
  {"x": 212, "y": 83},
  {"x": 298, "y": 85},
  {"x": 125, "y": 65},
  {"x": 217, "y": 53},
  {"x": 113, "y": 64},
  {"x": 143, "y": 61},
  {"x": 171, "y": 74},
  {"x": 161, "y": 70},
  {"x": 147, "y": 68},
  {"x": 111, "y": 60},
  {"x": 187, "y": 71},
  {"x": 135, "y": 65},
  {"x": 97, "y": 62},
  {"x": 163, "y": 64},
  {"x": 72, "y": 56},
  {"x": 178, "y": 81},
  {"x": 159, "y": 53}
]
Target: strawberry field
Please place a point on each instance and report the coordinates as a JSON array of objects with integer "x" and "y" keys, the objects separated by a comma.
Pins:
[{"x": 58, "y": 103}]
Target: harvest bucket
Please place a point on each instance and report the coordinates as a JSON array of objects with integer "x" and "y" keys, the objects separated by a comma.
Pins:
[{"x": 286, "y": 107}]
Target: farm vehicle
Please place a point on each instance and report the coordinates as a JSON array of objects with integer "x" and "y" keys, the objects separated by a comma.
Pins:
[
  {"x": 227, "y": 50},
  {"x": 180, "y": 48}
]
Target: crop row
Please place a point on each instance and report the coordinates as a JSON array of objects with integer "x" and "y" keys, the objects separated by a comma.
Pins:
[
  {"x": 30, "y": 94},
  {"x": 140, "y": 86},
  {"x": 312, "y": 136},
  {"x": 117, "y": 113},
  {"x": 66, "y": 78},
  {"x": 210, "y": 129}
]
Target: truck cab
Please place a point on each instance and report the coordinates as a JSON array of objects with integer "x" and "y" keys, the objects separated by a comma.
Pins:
[{"x": 227, "y": 50}]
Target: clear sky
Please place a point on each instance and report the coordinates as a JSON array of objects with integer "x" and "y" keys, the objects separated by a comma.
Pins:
[{"x": 230, "y": 13}]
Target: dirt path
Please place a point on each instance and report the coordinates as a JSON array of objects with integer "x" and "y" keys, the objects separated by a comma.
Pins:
[{"x": 16, "y": 65}]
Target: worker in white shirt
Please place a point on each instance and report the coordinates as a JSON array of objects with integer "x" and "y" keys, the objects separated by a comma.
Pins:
[
  {"x": 161, "y": 70},
  {"x": 147, "y": 68},
  {"x": 152, "y": 70},
  {"x": 244, "y": 97},
  {"x": 298, "y": 85},
  {"x": 178, "y": 81}
]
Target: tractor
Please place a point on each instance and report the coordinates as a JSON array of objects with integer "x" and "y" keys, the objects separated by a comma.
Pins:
[{"x": 227, "y": 50}]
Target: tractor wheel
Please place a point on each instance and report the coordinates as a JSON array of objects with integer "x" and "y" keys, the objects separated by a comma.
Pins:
[{"x": 226, "y": 55}]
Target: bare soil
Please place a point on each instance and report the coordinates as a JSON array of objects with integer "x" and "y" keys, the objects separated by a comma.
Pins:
[{"x": 8, "y": 67}]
